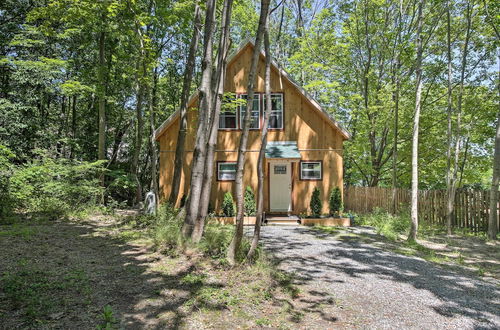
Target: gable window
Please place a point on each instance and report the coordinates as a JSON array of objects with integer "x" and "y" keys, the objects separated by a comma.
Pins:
[
  {"x": 226, "y": 171},
  {"x": 227, "y": 120},
  {"x": 311, "y": 170},
  {"x": 255, "y": 115},
  {"x": 276, "y": 117}
]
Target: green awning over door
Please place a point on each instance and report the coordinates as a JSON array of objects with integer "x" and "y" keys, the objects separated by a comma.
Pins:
[{"x": 282, "y": 149}]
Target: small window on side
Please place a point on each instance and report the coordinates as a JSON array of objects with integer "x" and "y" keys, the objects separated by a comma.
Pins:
[
  {"x": 226, "y": 171},
  {"x": 311, "y": 170}
]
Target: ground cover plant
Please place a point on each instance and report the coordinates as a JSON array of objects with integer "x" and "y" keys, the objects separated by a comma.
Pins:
[{"x": 120, "y": 271}]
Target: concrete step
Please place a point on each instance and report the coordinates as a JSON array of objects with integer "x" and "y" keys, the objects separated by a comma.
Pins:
[{"x": 282, "y": 220}]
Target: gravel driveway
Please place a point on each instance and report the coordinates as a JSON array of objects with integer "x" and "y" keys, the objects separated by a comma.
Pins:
[{"x": 379, "y": 289}]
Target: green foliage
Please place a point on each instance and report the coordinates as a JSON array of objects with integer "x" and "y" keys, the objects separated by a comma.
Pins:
[
  {"x": 120, "y": 185},
  {"x": 228, "y": 208},
  {"x": 108, "y": 318},
  {"x": 387, "y": 224},
  {"x": 29, "y": 290},
  {"x": 166, "y": 228},
  {"x": 216, "y": 239},
  {"x": 335, "y": 201},
  {"x": 249, "y": 202},
  {"x": 315, "y": 204},
  {"x": 6, "y": 168},
  {"x": 56, "y": 186}
]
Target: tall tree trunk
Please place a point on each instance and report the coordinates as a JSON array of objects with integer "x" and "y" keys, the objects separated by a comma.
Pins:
[
  {"x": 153, "y": 100},
  {"x": 449, "y": 208},
  {"x": 495, "y": 180},
  {"x": 139, "y": 125},
  {"x": 199, "y": 154},
  {"x": 102, "y": 99},
  {"x": 186, "y": 87},
  {"x": 234, "y": 247},
  {"x": 452, "y": 179},
  {"x": 414, "y": 155},
  {"x": 73, "y": 127},
  {"x": 218, "y": 90},
  {"x": 262, "y": 151}
]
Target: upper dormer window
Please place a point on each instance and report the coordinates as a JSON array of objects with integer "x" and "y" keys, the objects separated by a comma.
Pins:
[
  {"x": 255, "y": 115},
  {"x": 276, "y": 117}
]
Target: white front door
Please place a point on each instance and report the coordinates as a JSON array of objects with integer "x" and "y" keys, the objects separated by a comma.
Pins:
[{"x": 280, "y": 187}]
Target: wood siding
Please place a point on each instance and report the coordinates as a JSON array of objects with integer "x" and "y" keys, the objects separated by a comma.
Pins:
[{"x": 316, "y": 138}]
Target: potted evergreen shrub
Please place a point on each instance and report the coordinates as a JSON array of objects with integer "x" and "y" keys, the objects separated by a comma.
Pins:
[
  {"x": 228, "y": 207},
  {"x": 249, "y": 205},
  {"x": 315, "y": 204},
  {"x": 335, "y": 202}
]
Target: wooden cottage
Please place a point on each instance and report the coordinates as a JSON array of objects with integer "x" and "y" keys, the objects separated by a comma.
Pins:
[{"x": 304, "y": 148}]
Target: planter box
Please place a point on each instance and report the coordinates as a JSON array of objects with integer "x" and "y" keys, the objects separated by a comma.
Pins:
[
  {"x": 247, "y": 221},
  {"x": 343, "y": 222}
]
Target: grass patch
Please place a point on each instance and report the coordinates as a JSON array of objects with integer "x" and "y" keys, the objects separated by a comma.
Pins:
[
  {"x": 18, "y": 230},
  {"x": 36, "y": 292}
]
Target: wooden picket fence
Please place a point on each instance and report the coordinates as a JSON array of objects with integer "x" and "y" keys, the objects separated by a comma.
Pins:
[{"x": 471, "y": 206}]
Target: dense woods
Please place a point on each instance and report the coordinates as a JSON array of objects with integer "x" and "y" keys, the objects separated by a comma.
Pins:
[{"x": 82, "y": 81}]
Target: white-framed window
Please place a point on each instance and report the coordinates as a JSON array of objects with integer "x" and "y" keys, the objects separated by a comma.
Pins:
[
  {"x": 226, "y": 171},
  {"x": 311, "y": 170},
  {"x": 255, "y": 115},
  {"x": 227, "y": 120},
  {"x": 276, "y": 117}
]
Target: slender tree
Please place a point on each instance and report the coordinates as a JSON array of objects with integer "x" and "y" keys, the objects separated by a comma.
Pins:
[
  {"x": 263, "y": 143},
  {"x": 102, "y": 96},
  {"x": 217, "y": 98},
  {"x": 495, "y": 182},
  {"x": 186, "y": 87},
  {"x": 414, "y": 155},
  {"x": 199, "y": 154},
  {"x": 452, "y": 175},
  {"x": 235, "y": 244}
]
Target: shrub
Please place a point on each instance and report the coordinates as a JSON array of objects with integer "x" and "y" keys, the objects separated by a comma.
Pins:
[
  {"x": 249, "y": 202},
  {"x": 316, "y": 204},
  {"x": 335, "y": 201},
  {"x": 6, "y": 168},
  {"x": 386, "y": 224},
  {"x": 228, "y": 207},
  {"x": 121, "y": 186},
  {"x": 216, "y": 239},
  {"x": 167, "y": 227},
  {"x": 57, "y": 186}
]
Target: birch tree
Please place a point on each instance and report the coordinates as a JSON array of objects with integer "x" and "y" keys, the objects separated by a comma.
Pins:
[
  {"x": 495, "y": 182},
  {"x": 186, "y": 86},
  {"x": 217, "y": 98},
  {"x": 414, "y": 155},
  {"x": 235, "y": 244},
  {"x": 198, "y": 165},
  {"x": 263, "y": 144}
]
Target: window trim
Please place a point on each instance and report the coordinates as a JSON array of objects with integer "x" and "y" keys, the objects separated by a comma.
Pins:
[
  {"x": 282, "y": 111},
  {"x": 218, "y": 171},
  {"x": 237, "y": 117},
  {"x": 240, "y": 123},
  {"x": 320, "y": 171}
]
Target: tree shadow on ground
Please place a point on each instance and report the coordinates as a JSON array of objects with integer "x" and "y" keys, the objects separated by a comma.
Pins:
[
  {"x": 141, "y": 291},
  {"x": 461, "y": 294}
]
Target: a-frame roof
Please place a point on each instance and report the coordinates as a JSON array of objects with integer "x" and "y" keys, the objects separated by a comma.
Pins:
[{"x": 345, "y": 134}]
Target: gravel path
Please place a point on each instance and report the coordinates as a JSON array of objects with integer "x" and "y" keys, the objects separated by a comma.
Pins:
[{"x": 379, "y": 289}]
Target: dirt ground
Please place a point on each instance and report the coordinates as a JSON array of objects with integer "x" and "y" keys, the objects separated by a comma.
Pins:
[{"x": 98, "y": 272}]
